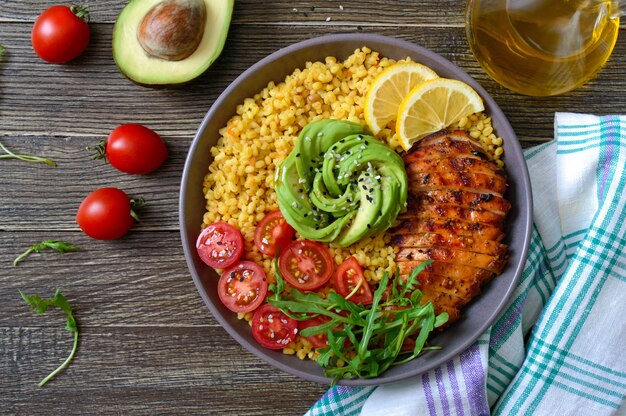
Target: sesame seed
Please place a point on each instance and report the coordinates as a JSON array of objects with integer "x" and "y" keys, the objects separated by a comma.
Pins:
[
  {"x": 328, "y": 19},
  {"x": 297, "y": 154},
  {"x": 342, "y": 140},
  {"x": 340, "y": 7},
  {"x": 369, "y": 226}
]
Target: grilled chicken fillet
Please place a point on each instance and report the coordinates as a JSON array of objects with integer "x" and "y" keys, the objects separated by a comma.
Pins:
[{"x": 455, "y": 216}]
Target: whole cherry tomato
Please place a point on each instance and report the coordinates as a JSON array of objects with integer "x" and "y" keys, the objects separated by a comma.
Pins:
[
  {"x": 105, "y": 214},
  {"x": 133, "y": 148},
  {"x": 61, "y": 33}
]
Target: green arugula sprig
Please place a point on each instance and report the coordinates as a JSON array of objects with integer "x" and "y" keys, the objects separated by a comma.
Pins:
[
  {"x": 376, "y": 332},
  {"x": 26, "y": 158},
  {"x": 40, "y": 306},
  {"x": 59, "y": 246}
]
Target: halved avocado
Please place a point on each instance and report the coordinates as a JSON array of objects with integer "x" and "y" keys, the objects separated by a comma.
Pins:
[{"x": 167, "y": 42}]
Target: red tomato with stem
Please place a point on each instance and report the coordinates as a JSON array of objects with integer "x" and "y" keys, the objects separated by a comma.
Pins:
[
  {"x": 61, "y": 33},
  {"x": 220, "y": 245},
  {"x": 350, "y": 274},
  {"x": 242, "y": 288},
  {"x": 106, "y": 214},
  {"x": 134, "y": 149},
  {"x": 273, "y": 329},
  {"x": 305, "y": 265},
  {"x": 273, "y": 233}
]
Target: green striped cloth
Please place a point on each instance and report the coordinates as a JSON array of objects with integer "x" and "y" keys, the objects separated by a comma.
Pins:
[{"x": 559, "y": 348}]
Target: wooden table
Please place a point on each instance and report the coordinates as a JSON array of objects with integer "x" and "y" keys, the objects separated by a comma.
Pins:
[{"x": 148, "y": 343}]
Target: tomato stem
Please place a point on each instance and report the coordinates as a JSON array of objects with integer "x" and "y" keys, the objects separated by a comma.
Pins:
[
  {"x": 99, "y": 151},
  {"x": 82, "y": 12},
  {"x": 26, "y": 158},
  {"x": 136, "y": 205}
]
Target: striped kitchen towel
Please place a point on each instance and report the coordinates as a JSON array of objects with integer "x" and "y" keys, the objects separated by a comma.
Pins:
[{"x": 559, "y": 348}]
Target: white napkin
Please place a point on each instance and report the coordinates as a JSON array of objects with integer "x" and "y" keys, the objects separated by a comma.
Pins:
[{"x": 559, "y": 348}]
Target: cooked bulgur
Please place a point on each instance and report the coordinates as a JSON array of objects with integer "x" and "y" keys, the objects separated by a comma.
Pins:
[{"x": 239, "y": 185}]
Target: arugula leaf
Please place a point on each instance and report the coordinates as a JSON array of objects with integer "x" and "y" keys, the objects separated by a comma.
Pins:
[
  {"x": 279, "y": 286},
  {"x": 1, "y": 50},
  {"x": 59, "y": 246},
  {"x": 40, "y": 306},
  {"x": 376, "y": 333}
]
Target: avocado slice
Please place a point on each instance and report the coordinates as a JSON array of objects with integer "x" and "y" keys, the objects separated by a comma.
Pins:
[
  {"x": 143, "y": 48},
  {"x": 340, "y": 184}
]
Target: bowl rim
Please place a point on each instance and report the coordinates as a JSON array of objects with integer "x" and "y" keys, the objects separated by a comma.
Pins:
[{"x": 504, "y": 130}]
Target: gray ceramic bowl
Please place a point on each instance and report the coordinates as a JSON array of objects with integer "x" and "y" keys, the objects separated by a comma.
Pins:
[{"x": 478, "y": 315}]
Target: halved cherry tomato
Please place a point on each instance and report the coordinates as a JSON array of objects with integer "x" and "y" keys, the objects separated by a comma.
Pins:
[
  {"x": 348, "y": 275},
  {"x": 305, "y": 265},
  {"x": 273, "y": 329},
  {"x": 317, "y": 341},
  {"x": 408, "y": 345},
  {"x": 242, "y": 287},
  {"x": 220, "y": 245},
  {"x": 273, "y": 233}
]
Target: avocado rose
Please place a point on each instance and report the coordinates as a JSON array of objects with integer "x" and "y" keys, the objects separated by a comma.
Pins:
[{"x": 340, "y": 184}]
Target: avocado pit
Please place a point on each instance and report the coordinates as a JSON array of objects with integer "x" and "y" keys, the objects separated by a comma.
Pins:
[{"x": 173, "y": 29}]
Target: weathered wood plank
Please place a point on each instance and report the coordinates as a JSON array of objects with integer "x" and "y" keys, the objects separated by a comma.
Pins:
[
  {"x": 145, "y": 371},
  {"x": 29, "y": 202},
  {"x": 365, "y": 12},
  {"x": 31, "y": 102},
  {"x": 139, "y": 280}
]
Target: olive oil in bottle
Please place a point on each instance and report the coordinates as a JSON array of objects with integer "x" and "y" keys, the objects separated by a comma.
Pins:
[{"x": 542, "y": 47}]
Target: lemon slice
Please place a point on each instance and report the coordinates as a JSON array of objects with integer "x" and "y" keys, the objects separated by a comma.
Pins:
[
  {"x": 388, "y": 90},
  {"x": 434, "y": 105}
]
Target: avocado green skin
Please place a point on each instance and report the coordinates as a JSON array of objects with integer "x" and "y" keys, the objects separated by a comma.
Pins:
[{"x": 340, "y": 184}]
